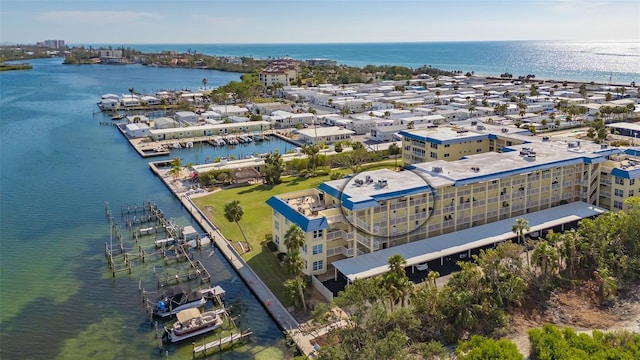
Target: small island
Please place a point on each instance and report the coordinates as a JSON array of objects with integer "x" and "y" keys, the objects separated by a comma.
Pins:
[{"x": 9, "y": 67}]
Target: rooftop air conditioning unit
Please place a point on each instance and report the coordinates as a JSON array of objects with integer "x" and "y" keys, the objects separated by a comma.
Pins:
[{"x": 437, "y": 169}]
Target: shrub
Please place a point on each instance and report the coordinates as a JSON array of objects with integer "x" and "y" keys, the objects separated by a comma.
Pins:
[
  {"x": 281, "y": 256},
  {"x": 336, "y": 175},
  {"x": 272, "y": 246}
]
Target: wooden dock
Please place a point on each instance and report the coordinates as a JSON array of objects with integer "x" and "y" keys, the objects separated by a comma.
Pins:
[{"x": 218, "y": 344}]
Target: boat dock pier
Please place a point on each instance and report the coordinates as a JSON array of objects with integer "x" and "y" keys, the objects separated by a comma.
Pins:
[
  {"x": 217, "y": 345},
  {"x": 269, "y": 301},
  {"x": 144, "y": 221}
]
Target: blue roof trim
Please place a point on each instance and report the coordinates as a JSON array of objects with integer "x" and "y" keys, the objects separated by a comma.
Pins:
[
  {"x": 596, "y": 160},
  {"x": 330, "y": 190},
  {"x": 428, "y": 139},
  {"x": 508, "y": 149},
  {"x": 621, "y": 173},
  {"x": 507, "y": 173},
  {"x": 306, "y": 224},
  {"x": 633, "y": 152},
  {"x": 626, "y": 174},
  {"x": 405, "y": 192},
  {"x": 350, "y": 205},
  {"x": 493, "y": 137},
  {"x": 372, "y": 201}
]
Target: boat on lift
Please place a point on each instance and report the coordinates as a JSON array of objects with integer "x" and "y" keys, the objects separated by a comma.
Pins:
[{"x": 192, "y": 323}]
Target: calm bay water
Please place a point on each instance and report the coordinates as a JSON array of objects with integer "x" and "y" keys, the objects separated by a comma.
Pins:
[
  {"x": 58, "y": 167},
  {"x": 561, "y": 60}
]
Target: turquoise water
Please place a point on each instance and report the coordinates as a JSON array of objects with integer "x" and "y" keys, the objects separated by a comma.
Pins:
[
  {"x": 561, "y": 60},
  {"x": 58, "y": 167}
]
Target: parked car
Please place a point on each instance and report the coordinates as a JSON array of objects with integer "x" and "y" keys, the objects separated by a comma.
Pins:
[{"x": 422, "y": 266}]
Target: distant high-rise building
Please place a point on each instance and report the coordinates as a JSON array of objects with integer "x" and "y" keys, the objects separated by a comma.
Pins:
[{"x": 54, "y": 44}]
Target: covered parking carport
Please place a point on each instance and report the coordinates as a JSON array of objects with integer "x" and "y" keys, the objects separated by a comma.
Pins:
[{"x": 559, "y": 218}]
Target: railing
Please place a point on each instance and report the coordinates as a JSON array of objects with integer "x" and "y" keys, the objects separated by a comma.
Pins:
[
  {"x": 335, "y": 219},
  {"x": 363, "y": 240},
  {"x": 361, "y": 224},
  {"x": 336, "y": 234}
]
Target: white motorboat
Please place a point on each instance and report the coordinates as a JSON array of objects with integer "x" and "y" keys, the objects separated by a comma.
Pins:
[{"x": 193, "y": 323}]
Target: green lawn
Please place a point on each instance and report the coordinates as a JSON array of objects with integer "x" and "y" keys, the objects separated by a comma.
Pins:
[{"x": 256, "y": 222}]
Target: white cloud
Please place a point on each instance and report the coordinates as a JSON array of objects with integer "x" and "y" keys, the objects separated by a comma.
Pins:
[{"x": 97, "y": 17}]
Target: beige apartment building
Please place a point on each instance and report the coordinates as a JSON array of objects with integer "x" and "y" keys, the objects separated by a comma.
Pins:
[{"x": 351, "y": 223}]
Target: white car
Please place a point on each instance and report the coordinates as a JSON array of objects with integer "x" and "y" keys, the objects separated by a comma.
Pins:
[{"x": 422, "y": 266}]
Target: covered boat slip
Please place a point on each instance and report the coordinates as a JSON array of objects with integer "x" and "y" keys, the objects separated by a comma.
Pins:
[{"x": 442, "y": 246}]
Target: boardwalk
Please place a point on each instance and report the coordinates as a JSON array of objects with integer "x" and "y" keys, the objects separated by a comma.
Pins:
[{"x": 278, "y": 312}]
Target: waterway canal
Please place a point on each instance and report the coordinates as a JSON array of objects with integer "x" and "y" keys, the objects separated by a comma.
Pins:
[{"x": 58, "y": 167}]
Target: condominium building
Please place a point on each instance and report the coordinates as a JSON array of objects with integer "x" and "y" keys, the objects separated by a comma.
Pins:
[
  {"x": 348, "y": 221},
  {"x": 452, "y": 143}
]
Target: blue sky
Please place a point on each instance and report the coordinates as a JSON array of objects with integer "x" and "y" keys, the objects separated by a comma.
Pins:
[{"x": 307, "y": 21}]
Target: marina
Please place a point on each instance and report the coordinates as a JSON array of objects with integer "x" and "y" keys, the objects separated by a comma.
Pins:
[{"x": 183, "y": 290}]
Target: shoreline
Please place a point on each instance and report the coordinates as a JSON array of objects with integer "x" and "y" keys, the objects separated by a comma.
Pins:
[{"x": 276, "y": 310}]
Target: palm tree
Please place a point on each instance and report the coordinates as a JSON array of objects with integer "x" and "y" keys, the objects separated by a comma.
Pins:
[
  {"x": 397, "y": 264},
  {"x": 204, "y": 83},
  {"x": 233, "y": 213},
  {"x": 394, "y": 150},
  {"x": 294, "y": 239},
  {"x": 520, "y": 228},
  {"x": 312, "y": 152},
  {"x": 544, "y": 257},
  {"x": 132, "y": 91},
  {"x": 432, "y": 276},
  {"x": 396, "y": 281}
]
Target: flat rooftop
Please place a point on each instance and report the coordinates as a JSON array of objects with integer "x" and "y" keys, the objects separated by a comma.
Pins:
[
  {"x": 442, "y": 135},
  {"x": 437, "y": 247},
  {"x": 364, "y": 190},
  {"x": 324, "y": 131},
  {"x": 492, "y": 165}
]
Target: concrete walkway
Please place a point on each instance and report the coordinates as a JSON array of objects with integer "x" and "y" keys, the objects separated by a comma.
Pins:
[{"x": 278, "y": 312}]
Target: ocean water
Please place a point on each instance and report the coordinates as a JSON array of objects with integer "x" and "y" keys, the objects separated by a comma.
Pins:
[
  {"x": 615, "y": 62},
  {"x": 58, "y": 166}
]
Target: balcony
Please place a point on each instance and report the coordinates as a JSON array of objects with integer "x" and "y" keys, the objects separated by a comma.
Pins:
[
  {"x": 340, "y": 250},
  {"x": 339, "y": 218},
  {"x": 337, "y": 234}
]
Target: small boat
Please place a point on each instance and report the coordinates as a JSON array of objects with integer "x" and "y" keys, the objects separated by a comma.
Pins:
[
  {"x": 218, "y": 141},
  {"x": 118, "y": 117},
  {"x": 231, "y": 140},
  {"x": 176, "y": 145},
  {"x": 188, "y": 145},
  {"x": 193, "y": 323},
  {"x": 176, "y": 299}
]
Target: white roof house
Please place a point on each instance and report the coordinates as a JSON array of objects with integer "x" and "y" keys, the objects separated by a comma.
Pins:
[
  {"x": 228, "y": 110},
  {"x": 150, "y": 100},
  {"x": 130, "y": 100},
  {"x": 324, "y": 135},
  {"x": 137, "y": 130},
  {"x": 186, "y": 116}
]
